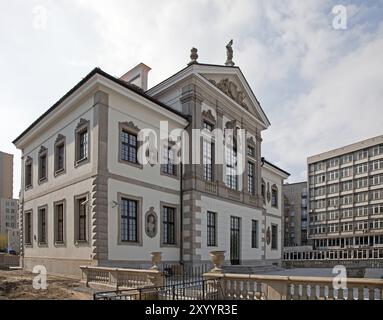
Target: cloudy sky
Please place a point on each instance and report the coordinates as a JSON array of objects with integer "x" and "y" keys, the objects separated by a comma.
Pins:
[{"x": 321, "y": 87}]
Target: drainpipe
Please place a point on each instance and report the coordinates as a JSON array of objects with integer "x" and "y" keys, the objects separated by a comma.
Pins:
[{"x": 181, "y": 203}]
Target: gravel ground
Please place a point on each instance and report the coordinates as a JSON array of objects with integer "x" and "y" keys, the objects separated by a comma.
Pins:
[{"x": 18, "y": 285}]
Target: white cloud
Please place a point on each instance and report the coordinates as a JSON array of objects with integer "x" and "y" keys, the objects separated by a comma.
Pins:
[{"x": 311, "y": 80}]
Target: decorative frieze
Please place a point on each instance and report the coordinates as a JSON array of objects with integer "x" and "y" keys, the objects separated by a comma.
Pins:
[{"x": 231, "y": 90}]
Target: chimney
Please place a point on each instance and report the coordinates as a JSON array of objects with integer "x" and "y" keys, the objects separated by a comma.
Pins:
[{"x": 138, "y": 76}]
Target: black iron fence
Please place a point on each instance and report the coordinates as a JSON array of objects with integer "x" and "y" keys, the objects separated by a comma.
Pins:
[
  {"x": 194, "y": 290},
  {"x": 177, "y": 273}
]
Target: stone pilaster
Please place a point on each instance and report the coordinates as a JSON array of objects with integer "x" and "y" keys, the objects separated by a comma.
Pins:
[
  {"x": 192, "y": 222},
  {"x": 99, "y": 191},
  {"x": 191, "y": 101}
]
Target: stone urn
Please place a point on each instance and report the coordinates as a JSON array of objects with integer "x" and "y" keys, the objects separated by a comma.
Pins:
[
  {"x": 156, "y": 259},
  {"x": 217, "y": 257}
]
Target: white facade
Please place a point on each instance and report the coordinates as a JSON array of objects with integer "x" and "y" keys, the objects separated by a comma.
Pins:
[{"x": 99, "y": 208}]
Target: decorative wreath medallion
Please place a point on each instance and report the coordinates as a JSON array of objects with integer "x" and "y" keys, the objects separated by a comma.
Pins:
[{"x": 151, "y": 223}]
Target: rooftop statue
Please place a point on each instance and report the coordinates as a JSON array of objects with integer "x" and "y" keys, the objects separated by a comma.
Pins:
[{"x": 229, "y": 61}]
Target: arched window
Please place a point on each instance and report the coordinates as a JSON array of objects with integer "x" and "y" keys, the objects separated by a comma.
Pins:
[{"x": 274, "y": 196}]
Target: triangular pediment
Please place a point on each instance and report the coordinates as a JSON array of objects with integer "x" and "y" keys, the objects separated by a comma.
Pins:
[{"x": 234, "y": 86}]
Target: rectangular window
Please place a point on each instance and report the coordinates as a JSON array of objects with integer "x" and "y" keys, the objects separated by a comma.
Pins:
[
  {"x": 28, "y": 228},
  {"x": 60, "y": 157},
  {"x": 129, "y": 222},
  {"x": 274, "y": 197},
  {"x": 254, "y": 234},
  {"x": 208, "y": 126},
  {"x": 59, "y": 223},
  {"x": 129, "y": 147},
  {"x": 83, "y": 147},
  {"x": 42, "y": 226},
  {"x": 28, "y": 174},
  {"x": 251, "y": 178},
  {"x": 211, "y": 229},
  {"x": 43, "y": 174},
  {"x": 169, "y": 226},
  {"x": 168, "y": 166},
  {"x": 231, "y": 168},
  {"x": 208, "y": 160},
  {"x": 274, "y": 237},
  {"x": 81, "y": 219}
]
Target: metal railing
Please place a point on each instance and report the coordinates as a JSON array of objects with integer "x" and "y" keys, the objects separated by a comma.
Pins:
[{"x": 195, "y": 290}]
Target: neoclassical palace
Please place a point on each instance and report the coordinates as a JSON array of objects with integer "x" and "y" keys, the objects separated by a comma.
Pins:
[{"x": 87, "y": 200}]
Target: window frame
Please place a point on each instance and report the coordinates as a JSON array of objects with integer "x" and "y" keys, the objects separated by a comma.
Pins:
[
  {"x": 42, "y": 230},
  {"x": 57, "y": 242},
  {"x": 254, "y": 234},
  {"x": 276, "y": 236},
  {"x": 130, "y": 129},
  {"x": 208, "y": 155},
  {"x": 175, "y": 208},
  {"x": 60, "y": 142},
  {"x": 85, "y": 198},
  {"x": 212, "y": 239},
  {"x": 28, "y": 229},
  {"x": 43, "y": 153},
  {"x": 28, "y": 164},
  {"x": 251, "y": 178},
  {"x": 167, "y": 148},
  {"x": 83, "y": 125},
  {"x": 274, "y": 188},
  {"x": 139, "y": 200}
]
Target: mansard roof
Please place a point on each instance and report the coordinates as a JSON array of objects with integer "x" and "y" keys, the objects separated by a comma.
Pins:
[{"x": 98, "y": 71}]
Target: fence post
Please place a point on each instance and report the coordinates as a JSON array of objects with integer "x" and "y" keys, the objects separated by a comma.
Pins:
[
  {"x": 85, "y": 275},
  {"x": 278, "y": 289}
]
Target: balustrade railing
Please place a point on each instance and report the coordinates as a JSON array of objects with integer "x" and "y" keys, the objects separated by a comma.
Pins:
[
  {"x": 121, "y": 278},
  {"x": 267, "y": 287}
]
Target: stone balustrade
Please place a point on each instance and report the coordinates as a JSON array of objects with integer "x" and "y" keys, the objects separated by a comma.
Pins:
[
  {"x": 117, "y": 278},
  {"x": 268, "y": 287}
]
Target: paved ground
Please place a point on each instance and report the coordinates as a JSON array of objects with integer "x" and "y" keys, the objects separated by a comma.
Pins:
[
  {"x": 18, "y": 285},
  {"x": 322, "y": 272}
]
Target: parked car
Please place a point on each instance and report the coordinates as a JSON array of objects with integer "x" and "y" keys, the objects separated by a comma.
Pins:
[{"x": 13, "y": 252}]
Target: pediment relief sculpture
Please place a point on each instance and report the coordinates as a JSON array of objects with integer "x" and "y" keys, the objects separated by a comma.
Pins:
[
  {"x": 207, "y": 114},
  {"x": 231, "y": 89}
]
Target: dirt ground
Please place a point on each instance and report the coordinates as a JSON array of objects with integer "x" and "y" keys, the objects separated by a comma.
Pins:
[{"x": 17, "y": 284}]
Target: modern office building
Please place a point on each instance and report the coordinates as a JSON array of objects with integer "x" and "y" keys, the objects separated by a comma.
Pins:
[
  {"x": 295, "y": 214},
  {"x": 346, "y": 196},
  {"x": 6, "y": 175},
  {"x": 8, "y": 205},
  {"x": 86, "y": 199}
]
